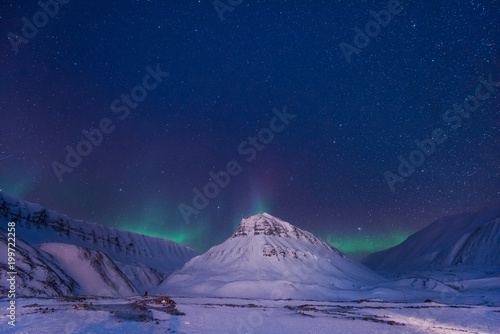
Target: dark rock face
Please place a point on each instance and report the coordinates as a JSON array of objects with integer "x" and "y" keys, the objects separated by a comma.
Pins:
[{"x": 267, "y": 225}]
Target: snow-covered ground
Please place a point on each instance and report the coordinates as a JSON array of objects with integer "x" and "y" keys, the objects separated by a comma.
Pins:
[{"x": 229, "y": 315}]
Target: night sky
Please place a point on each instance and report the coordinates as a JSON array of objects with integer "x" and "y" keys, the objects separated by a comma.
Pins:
[{"x": 324, "y": 171}]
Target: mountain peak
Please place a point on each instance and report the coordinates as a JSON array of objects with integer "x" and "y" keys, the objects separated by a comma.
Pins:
[
  {"x": 267, "y": 254},
  {"x": 264, "y": 224}
]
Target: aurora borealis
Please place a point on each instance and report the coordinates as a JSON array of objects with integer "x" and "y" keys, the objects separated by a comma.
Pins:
[{"x": 323, "y": 171}]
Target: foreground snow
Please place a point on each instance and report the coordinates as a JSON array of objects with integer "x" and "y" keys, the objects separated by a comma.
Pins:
[{"x": 229, "y": 315}]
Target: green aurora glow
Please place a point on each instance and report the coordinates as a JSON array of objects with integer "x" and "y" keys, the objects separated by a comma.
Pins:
[
  {"x": 19, "y": 189},
  {"x": 148, "y": 223},
  {"x": 362, "y": 245}
]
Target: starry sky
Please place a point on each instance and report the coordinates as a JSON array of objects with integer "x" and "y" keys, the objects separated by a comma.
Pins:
[{"x": 232, "y": 67}]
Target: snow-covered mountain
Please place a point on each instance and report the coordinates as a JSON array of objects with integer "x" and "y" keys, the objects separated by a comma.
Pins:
[
  {"x": 95, "y": 273},
  {"x": 471, "y": 239},
  {"x": 36, "y": 275},
  {"x": 123, "y": 262},
  {"x": 269, "y": 258}
]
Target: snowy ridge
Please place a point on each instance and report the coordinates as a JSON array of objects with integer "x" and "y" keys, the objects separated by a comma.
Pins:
[
  {"x": 145, "y": 261},
  {"x": 466, "y": 239},
  {"x": 265, "y": 224},
  {"x": 481, "y": 247},
  {"x": 95, "y": 272},
  {"x": 37, "y": 275},
  {"x": 39, "y": 225},
  {"x": 266, "y": 255}
]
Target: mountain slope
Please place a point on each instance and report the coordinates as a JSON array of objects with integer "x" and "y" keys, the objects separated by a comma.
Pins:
[
  {"x": 482, "y": 247},
  {"x": 145, "y": 261},
  {"x": 466, "y": 239},
  {"x": 35, "y": 274},
  {"x": 95, "y": 273},
  {"x": 269, "y": 258}
]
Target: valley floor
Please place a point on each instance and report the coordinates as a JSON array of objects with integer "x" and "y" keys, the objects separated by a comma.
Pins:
[{"x": 228, "y": 315}]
